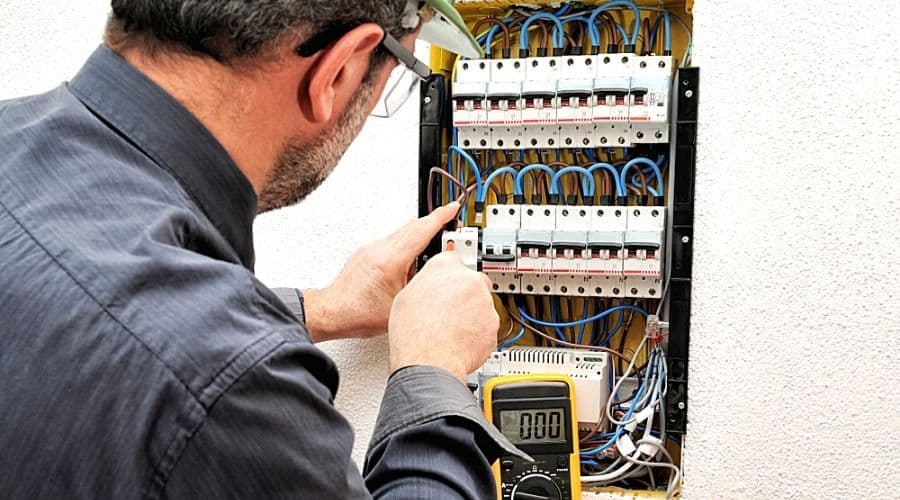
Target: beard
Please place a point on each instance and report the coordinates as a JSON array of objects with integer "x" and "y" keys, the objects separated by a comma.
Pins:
[{"x": 300, "y": 169}]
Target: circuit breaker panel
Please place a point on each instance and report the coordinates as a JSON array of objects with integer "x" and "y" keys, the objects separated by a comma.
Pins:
[{"x": 571, "y": 146}]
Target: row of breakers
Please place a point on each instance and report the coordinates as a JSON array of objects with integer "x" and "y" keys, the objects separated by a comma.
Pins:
[
  {"x": 614, "y": 100},
  {"x": 586, "y": 251}
]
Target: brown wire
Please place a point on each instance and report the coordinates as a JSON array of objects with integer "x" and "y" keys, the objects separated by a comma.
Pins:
[
  {"x": 607, "y": 182},
  {"x": 570, "y": 40},
  {"x": 495, "y": 22},
  {"x": 645, "y": 27},
  {"x": 582, "y": 30},
  {"x": 610, "y": 25},
  {"x": 514, "y": 164},
  {"x": 573, "y": 179},
  {"x": 463, "y": 198},
  {"x": 545, "y": 34}
]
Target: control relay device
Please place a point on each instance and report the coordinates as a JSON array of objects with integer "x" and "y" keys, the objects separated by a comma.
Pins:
[{"x": 570, "y": 143}]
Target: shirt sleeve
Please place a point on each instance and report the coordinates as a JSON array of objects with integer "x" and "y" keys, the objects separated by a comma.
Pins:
[
  {"x": 293, "y": 299},
  {"x": 431, "y": 440}
]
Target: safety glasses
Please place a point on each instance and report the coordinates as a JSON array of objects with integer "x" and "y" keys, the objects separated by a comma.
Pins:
[{"x": 403, "y": 79}]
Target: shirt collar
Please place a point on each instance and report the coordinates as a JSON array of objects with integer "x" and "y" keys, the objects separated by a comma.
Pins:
[{"x": 173, "y": 138}]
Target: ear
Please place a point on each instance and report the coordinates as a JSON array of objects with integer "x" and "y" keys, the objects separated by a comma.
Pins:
[{"x": 339, "y": 70}]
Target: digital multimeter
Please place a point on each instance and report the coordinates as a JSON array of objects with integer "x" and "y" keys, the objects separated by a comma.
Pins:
[{"x": 537, "y": 414}]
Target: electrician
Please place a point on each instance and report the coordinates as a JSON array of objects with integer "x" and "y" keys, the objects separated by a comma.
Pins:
[{"x": 140, "y": 355}]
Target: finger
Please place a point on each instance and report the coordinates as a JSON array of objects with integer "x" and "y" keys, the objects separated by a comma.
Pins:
[{"x": 410, "y": 240}]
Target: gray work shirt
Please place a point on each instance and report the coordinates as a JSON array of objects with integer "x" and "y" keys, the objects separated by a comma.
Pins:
[{"x": 139, "y": 355}]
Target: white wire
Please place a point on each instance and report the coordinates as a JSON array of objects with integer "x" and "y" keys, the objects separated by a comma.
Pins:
[
  {"x": 618, "y": 385},
  {"x": 674, "y": 480},
  {"x": 609, "y": 477}
]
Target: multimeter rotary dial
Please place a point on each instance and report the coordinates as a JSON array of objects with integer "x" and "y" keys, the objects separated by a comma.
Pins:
[{"x": 536, "y": 487}]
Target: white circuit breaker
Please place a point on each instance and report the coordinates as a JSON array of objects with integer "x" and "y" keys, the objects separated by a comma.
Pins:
[
  {"x": 607, "y": 100},
  {"x": 644, "y": 242},
  {"x": 577, "y": 251}
]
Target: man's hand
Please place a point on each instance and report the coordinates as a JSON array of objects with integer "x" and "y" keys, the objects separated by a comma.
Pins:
[
  {"x": 358, "y": 302},
  {"x": 445, "y": 317}
]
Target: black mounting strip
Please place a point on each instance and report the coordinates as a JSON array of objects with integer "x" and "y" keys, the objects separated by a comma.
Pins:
[
  {"x": 687, "y": 85},
  {"x": 431, "y": 118}
]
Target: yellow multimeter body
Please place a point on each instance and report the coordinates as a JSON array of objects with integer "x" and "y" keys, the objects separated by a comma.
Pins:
[{"x": 536, "y": 413}]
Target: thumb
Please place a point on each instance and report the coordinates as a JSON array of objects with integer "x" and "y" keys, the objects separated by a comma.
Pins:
[{"x": 410, "y": 240}]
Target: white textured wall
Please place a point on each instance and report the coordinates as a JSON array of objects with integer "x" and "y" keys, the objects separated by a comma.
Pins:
[
  {"x": 794, "y": 385},
  {"x": 794, "y": 371}
]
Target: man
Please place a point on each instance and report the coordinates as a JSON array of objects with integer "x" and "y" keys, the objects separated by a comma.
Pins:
[{"x": 139, "y": 355}]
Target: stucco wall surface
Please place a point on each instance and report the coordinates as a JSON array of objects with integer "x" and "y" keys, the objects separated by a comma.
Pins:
[{"x": 794, "y": 385}]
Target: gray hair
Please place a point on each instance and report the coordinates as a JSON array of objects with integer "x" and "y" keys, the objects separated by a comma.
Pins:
[{"x": 233, "y": 30}]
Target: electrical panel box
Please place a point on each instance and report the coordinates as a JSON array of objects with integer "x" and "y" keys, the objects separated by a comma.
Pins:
[{"x": 575, "y": 141}]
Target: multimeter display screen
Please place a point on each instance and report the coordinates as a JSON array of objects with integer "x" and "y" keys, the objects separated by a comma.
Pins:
[{"x": 534, "y": 425}]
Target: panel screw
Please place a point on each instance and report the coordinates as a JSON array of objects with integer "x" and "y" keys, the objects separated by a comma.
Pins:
[
  {"x": 689, "y": 93},
  {"x": 681, "y": 405},
  {"x": 685, "y": 239},
  {"x": 496, "y": 286},
  {"x": 427, "y": 99},
  {"x": 634, "y": 291}
]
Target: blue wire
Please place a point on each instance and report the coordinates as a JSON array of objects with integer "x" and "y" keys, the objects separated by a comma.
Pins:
[
  {"x": 621, "y": 3},
  {"x": 620, "y": 186},
  {"x": 554, "y": 313},
  {"x": 489, "y": 37},
  {"x": 595, "y": 317},
  {"x": 558, "y": 41},
  {"x": 519, "y": 187},
  {"x": 668, "y": 25},
  {"x": 490, "y": 180},
  {"x": 471, "y": 161},
  {"x": 644, "y": 161},
  {"x": 584, "y": 312},
  {"x": 508, "y": 342},
  {"x": 587, "y": 180}
]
